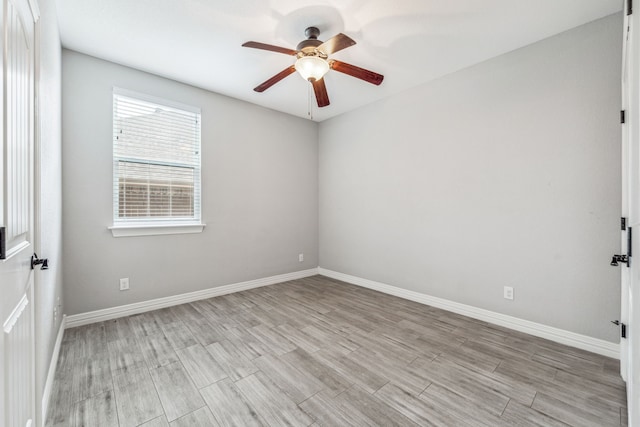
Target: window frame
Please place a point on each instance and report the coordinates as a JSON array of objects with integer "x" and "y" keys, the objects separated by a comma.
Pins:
[{"x": 162, "y": 225}]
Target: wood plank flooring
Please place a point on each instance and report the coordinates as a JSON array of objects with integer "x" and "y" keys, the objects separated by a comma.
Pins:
[{"x": 324, "y": 353}]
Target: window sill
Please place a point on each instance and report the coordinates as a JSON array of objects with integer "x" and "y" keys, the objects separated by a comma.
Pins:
[{"x": 154, "y": 229}]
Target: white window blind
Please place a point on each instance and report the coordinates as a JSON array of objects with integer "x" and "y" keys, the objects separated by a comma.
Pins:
[{"x": 156, "y": 161}]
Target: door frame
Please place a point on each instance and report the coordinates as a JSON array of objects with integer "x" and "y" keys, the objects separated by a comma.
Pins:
[
  {"x": 40, "y": 417},
  {"x": 626, "y": 170},
  {"x": 630, "y": 303}
]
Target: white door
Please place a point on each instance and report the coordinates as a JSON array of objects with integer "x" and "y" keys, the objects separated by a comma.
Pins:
[
  {"x": 630, "y": 347},
  {"x": 17, "y": 391}
]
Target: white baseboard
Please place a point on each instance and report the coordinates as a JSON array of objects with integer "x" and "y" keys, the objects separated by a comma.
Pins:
[
  {"x": 572, "y": 339},
  {"x": 562, "y": 336},
  {"x": 48, "y": 385},
  {"x": 154, "y": 304}
]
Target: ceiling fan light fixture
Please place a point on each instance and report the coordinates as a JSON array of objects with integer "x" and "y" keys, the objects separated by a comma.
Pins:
[
  {"x": 312, "y": 63},
  {"x": 312, "y": 68}
]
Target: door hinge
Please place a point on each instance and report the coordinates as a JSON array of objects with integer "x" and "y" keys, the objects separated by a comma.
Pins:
[
  {"x": 623, "y": 328},
  {"x": 629, "y": 7},
  {"x": 622, "y": 114},
  {"x": 3, "y": 243},
  {"x": 623, "y": 223}
]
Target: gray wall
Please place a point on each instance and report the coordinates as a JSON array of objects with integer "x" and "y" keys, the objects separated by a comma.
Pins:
[
  {"x": 259, "y": 191},
  {"x": 48, "y": 288},
  {"x": 505, "y": 173}
]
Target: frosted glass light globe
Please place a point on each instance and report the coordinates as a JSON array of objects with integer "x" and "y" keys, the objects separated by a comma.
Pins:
[{"x": 311, "y": 67}]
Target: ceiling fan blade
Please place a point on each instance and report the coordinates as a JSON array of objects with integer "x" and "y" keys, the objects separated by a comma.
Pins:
[
  {"x": 272, "y": 48},
  {"x": 320, "y": 89},
  {"x": 357, "y": 72},
  {"x": 275, "y": 79},
  {"x": 336, "y": 43}
]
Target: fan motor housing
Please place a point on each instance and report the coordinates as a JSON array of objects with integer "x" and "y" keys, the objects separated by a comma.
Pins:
[{"x": 308, "y": 45}]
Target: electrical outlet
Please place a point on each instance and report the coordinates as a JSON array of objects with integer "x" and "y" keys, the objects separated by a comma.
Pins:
[
  {"x": 124, "y": 284},
  {"x": 508, "y": 292},
  {"x": 300, "y": 257}
]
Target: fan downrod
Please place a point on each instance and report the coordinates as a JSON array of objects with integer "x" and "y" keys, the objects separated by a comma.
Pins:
[{"x": 312, "y": 33}]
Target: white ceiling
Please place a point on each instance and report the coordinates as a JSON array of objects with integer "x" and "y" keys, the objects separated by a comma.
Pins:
[{"x": 408, "y": 41}]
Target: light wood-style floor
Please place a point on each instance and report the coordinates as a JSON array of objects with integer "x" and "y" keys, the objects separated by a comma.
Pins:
[{"x": 325, "y": 353}]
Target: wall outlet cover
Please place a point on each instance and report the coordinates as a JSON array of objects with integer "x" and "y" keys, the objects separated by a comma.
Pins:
[
  {"x": 508, "y": 292},
  {"x": 124, "y": 284}
]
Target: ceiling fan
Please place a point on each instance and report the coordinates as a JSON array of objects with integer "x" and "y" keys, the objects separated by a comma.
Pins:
[{"x": 313, "y": 63}]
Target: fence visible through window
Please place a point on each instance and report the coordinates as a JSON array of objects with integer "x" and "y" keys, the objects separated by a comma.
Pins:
[{"x": 156, "y": 158}]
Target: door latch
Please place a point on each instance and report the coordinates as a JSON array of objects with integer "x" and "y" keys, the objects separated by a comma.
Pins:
[
  {"x": 626, "y": 259},
  {"x": 37, "y": 261},
  {"x": 619, "y": 258}
]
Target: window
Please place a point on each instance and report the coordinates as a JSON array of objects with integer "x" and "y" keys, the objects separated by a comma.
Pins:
[{"x": 156, "y": 165}]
